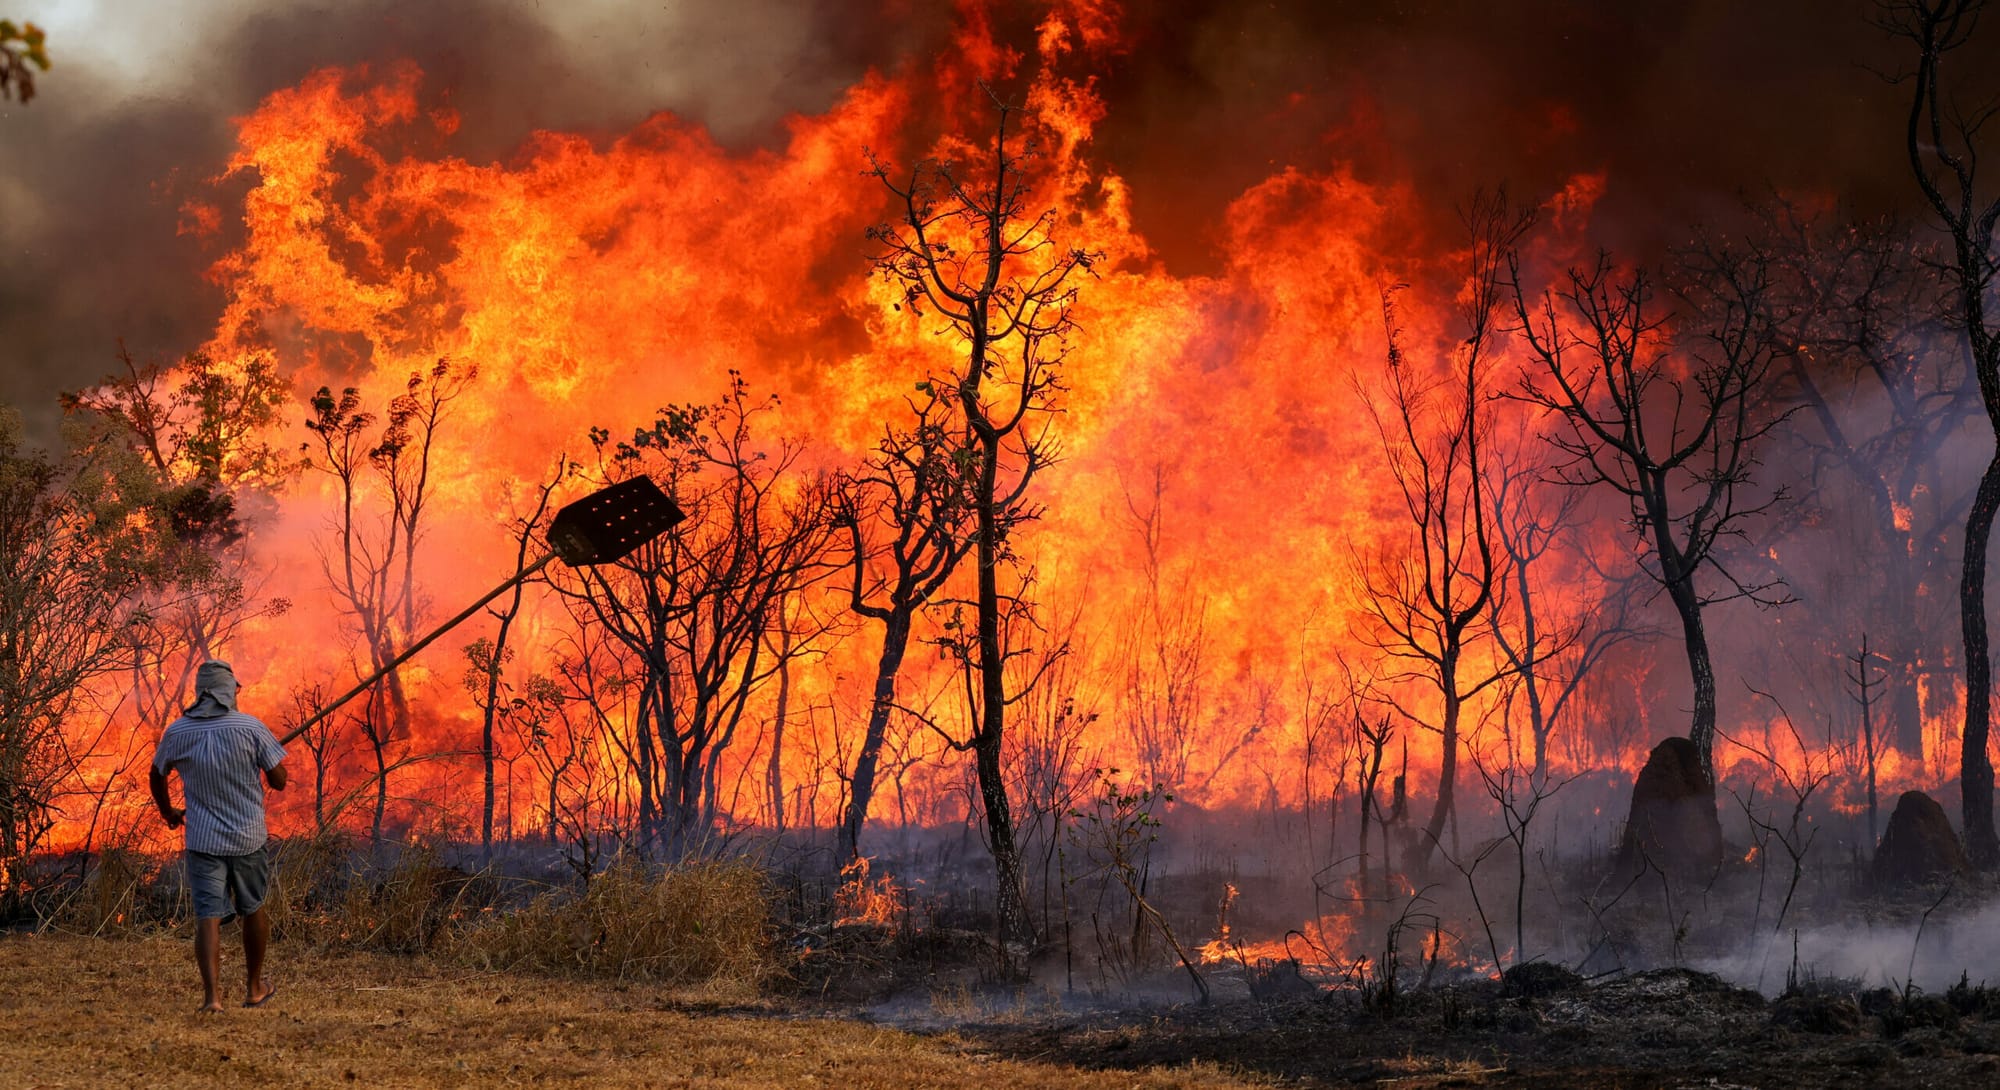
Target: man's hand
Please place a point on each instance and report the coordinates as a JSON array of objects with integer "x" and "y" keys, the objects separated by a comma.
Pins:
[{"x": 169, "y": 813}]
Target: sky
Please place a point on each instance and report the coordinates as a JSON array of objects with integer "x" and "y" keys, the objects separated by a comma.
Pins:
[{"x": 1686, "y": 106}]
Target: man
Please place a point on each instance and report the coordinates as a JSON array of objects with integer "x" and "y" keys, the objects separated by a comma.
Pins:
[{"x": 220, "y": 754}]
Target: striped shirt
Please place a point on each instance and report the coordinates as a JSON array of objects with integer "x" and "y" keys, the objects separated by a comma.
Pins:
[{"x": 221, "y": 760}]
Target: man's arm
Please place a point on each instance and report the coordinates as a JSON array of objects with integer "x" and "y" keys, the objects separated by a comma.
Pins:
[
  {"x": 273, "y": 760},
  {"x": 171, "y": 814}
]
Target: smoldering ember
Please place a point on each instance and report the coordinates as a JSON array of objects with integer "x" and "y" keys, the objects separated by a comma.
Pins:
[{"x": 1070, "y": 541}]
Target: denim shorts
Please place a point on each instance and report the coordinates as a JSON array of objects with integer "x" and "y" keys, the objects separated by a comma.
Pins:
[{"x": 217, "y": 880}]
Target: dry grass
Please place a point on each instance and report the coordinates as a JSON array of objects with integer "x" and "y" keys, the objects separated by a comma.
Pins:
[
  {"x": 109, "y": 902},
  {"x": 701, "y": 922},
  {"x": 92, "y": 1012}
]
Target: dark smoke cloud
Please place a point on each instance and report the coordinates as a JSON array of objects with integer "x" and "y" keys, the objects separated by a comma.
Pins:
[
  {"x": 98, "y": 166},
  {"x": 1683, "y": 105}
]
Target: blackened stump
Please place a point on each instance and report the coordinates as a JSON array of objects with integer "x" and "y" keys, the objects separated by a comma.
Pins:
[{"x": 1673, "y": 825}]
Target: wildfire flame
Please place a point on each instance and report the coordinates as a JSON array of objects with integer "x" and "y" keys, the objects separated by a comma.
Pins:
[{"x": 591, "y": 280}]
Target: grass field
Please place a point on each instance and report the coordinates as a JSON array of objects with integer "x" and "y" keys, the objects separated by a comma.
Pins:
[{"x": 78, "y": 1012}]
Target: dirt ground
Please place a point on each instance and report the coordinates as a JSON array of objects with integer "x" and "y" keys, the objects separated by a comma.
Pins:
[
  {"x": 81, "y": 1012},
  {"x": 1662, "y": 1029},
  {"x": 78, "y": 1012}
]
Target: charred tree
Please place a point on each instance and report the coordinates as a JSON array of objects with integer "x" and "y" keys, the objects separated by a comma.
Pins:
[
  {"x": 695, "y": 608},
  {"x": 371, "y": 564},
  {"x": 1161, "y": 656},
  {"x": 966, "y": 249},
  {"x": 487, "y": 657},
  {"x": 1430, "y": 602},
  {"x": 1550, "y": 647},
  {"x": 1941, "y": 138},
  {"x": 1667, "y": 414},
  {"x": 1881, "y": 395},
  {"x": 909, "y": 518}
]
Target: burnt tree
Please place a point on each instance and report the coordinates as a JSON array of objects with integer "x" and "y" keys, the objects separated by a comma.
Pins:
[
  {"x": 1941, "y": 138},
  {"x": 1550, "y": 644},
  {"x": 694, "y": 609},
  {"x": 487, "y": 657},
  {"x": 1882, "y": 398},
  {"x": 908, "y": 514},
  {"x": 371, "y": 563},
  {"x": 1430, "y": 601},
  {"x": 1666, "y": 412},
  {"x": 966, "y": 250}
]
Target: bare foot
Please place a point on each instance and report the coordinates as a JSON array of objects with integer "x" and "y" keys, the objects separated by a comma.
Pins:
[
  {"x": 257, "y": 998},
  {"x": 213, "y": 1006}
]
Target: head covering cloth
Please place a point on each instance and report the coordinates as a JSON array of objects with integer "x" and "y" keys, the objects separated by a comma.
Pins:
[{"x": 214, "y": 690}]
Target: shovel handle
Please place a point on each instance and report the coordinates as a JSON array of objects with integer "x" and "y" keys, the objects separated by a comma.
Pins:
[{"x": 404, "y": 656}]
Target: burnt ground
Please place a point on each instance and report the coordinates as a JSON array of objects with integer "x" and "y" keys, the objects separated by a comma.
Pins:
[{"x": 1662, "y": 1028}]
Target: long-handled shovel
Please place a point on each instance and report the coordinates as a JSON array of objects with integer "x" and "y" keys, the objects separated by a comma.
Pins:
[{"x": 597, "y": 529}]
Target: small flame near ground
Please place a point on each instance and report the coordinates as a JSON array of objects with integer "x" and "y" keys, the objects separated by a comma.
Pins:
[{"x": 870, "y": 899}]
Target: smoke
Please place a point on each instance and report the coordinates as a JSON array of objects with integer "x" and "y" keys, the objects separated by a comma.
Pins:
[
  {"x": 1931, "y": 954},
  {"x": 135, "y": 117}
]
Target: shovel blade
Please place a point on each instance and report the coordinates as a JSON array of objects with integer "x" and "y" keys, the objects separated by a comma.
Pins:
[{"x": 611, "y": 522}]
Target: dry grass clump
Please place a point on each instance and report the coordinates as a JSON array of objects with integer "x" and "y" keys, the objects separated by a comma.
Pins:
[
  {"x": 111, "y": 899},
  {"x": 326, "y": 891},
  {"x": 700, "y": 922}
]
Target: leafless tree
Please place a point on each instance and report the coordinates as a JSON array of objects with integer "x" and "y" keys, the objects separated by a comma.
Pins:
[
  {"x": 1429, "y": 601},
  {"x": 1942, "y": 139},
  {"x": 1882, "y": 393},
  {"x": 1371, "y": 744},
  {"x": 1667, "y": 412},
  {"x": 320, "y": 741},
  {"x": 694, "y": 608},
  {"x": 909, "y": 517},
  {"x": 1551, "y": 645},
  {"x": 1049, "y": 752},
  {"x": 487, "y": 656},
  {"x": 1327, "y": 751},
  {"x": 598, "y": 682},
  {"x": 1795, "y": 835},
  {"x": 966, "y": 249},
  {"x": 371, "y": 564},
  {"x": 1866, "y": 672},
  {"x": 1162, "y": 655},
  {"x": 1519, "y": 794}
]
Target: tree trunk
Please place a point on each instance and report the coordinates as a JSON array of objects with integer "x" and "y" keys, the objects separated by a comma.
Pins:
[
  {"x": 895, "y": 641},
  {"x": 1448, "y": 765},
  {"x": 1011, "y": 894},
  {"x": 1701, "y": 669},
  {"x": 486, "y": 748},
  {"x": 774, "y": 772},
  {"x": 1530, "y": 677},
  {"x": 1906, "y": 721},
  {"x": 381, "y": 788},
  {"x": 1975, "y": 768}
]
